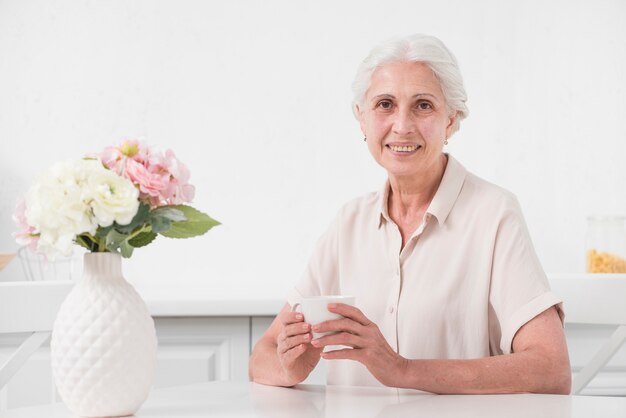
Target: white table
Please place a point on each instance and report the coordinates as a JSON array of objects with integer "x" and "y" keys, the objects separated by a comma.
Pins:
[{"x": 242, "y": 399}]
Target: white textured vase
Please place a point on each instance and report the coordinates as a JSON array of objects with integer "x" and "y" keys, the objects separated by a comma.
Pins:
[{"x": 103, "y": 343}]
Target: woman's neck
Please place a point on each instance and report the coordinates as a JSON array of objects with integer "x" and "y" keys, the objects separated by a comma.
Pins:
[{"x": 409, "y": 197}]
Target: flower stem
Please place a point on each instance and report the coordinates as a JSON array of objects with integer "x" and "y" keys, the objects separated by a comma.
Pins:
[
  {"x": 80, "y": 240},
  {"x": 144, "y": 228}
]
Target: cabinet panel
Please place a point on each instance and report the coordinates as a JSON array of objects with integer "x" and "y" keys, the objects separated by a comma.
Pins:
[
  {"x": 260, "y": 324},
  {"x": 181, "y": 365},
  {"x": 193, "y": 350}
]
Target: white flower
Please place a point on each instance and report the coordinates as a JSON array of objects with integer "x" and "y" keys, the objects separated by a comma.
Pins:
[
  {"x": 75, "y": 197},
  {"x": 113, "y": 198},
  {"x": 56, "y": 209}
]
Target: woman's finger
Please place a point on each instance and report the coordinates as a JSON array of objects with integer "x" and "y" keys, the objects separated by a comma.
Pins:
[
  {"x": 290, "y": 342},
  {"x": 291, "y": 355},
  {"x": 296, "y": 329},
  {"x": 349, "y": 311},
  {"x": 342, "y": 354},
  {"x": 288, "y": 318},
  {"x": 341, "y": 338},
  {"x": 339, "y": 325}
]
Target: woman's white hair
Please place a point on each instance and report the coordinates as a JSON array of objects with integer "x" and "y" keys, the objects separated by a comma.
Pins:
[{"x": 415, "y": 48}]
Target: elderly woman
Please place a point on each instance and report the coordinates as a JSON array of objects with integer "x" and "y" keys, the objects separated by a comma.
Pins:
[{"x": 450, "y": 295}]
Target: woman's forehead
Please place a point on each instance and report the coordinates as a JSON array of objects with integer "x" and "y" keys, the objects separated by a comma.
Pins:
[{"x": 404, "y": 78}]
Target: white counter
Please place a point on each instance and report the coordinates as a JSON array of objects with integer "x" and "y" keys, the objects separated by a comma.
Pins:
[
  {"x": 578, "y": 290},
  {"x": 184, "y": 301}
]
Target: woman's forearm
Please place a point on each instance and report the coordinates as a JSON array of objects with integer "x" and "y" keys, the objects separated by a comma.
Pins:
[{"x": 513, "y": 373}]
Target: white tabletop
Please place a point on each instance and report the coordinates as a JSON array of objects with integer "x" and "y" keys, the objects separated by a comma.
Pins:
[{"x": 242, "y": 399}]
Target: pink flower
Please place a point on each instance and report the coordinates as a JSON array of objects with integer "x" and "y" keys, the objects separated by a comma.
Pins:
[
  {"x": 151, "y": 184},
  {"x": 116, "y": 157},
  {"x": 26, "y": 235},
  {"x": 178, "y": 189},
  {"x": 112, "y": 158},
  {"x": 161, "y": 178}
]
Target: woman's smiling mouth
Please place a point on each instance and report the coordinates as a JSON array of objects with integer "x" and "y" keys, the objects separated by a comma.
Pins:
[{"x": 403, "y": 148}]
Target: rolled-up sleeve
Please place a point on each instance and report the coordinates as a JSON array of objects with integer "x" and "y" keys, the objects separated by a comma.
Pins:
[{"x": 519, "y": 288}]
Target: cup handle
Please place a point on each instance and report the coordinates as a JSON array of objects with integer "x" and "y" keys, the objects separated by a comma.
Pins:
[{"x": 295, "y": 307}]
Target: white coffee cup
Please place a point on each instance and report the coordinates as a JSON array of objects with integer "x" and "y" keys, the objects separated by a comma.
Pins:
[{"x": 315, "y": 309}]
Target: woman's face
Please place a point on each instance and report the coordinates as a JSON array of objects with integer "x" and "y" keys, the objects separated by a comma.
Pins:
[{"x": 404, "y": 119}]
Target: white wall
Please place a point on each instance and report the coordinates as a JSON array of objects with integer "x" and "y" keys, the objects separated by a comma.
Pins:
[{"x": 255, "y": 98}]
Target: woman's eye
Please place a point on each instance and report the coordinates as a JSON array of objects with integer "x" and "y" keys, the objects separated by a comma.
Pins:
[
  {"x": 385, "y": 104},
  {"x": 424, "y": 105}
]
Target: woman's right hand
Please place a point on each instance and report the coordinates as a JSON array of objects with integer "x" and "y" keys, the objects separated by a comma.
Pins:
[
  {"x": 295, "y": 353},
  {"x": 284, "y": 356}
]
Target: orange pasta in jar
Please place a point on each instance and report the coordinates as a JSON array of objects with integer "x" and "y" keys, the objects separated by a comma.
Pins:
[{"x": 604, "y": 262}]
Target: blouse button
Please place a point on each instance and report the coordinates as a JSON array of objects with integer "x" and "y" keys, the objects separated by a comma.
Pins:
[{"x": 391, "y": 309}]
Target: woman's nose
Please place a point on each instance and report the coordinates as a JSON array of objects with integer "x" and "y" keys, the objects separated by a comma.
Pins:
[{"x": 404, "y": 122}]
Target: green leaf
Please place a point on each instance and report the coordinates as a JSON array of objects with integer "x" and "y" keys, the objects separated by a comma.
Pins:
[
  {"x": 160, "y": 224},
  {"x": 169, "y": 212},
  {"x": 142, "y": 239},
  {"x": 196, "y": 223},
  {"x": 114, "y": 239},
  {"x": 103, "y": 232},
  {"x": 161, "y": 218},
  {"x": 140, "y": 218},
  {"x": 126, "y": 249}
]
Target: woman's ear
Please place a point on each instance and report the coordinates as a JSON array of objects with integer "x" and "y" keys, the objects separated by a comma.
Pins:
[
  {"x": 451, "y": 121},
  {"x": 358, "y": 112}
]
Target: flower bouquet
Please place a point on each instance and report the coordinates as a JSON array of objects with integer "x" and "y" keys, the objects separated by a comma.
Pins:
[
  {"x": 103, "y": 345},
  {"x": 115, "y": 201}
]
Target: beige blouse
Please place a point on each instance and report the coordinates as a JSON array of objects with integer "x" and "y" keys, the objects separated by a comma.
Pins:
[{"x": 462, "y": 286}]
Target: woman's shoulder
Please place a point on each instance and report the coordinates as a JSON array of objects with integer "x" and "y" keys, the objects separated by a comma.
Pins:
[
  {"x": 483, "y": 193},
  {"x": 371, "y": 200},
  {"x": 363, "y": 207}
]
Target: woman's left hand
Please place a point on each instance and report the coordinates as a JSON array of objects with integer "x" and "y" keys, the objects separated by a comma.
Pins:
[{"x": 369, "y": 347}]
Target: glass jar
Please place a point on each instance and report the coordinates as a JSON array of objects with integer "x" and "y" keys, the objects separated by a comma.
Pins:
[{"x": 606, "y": 244}]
